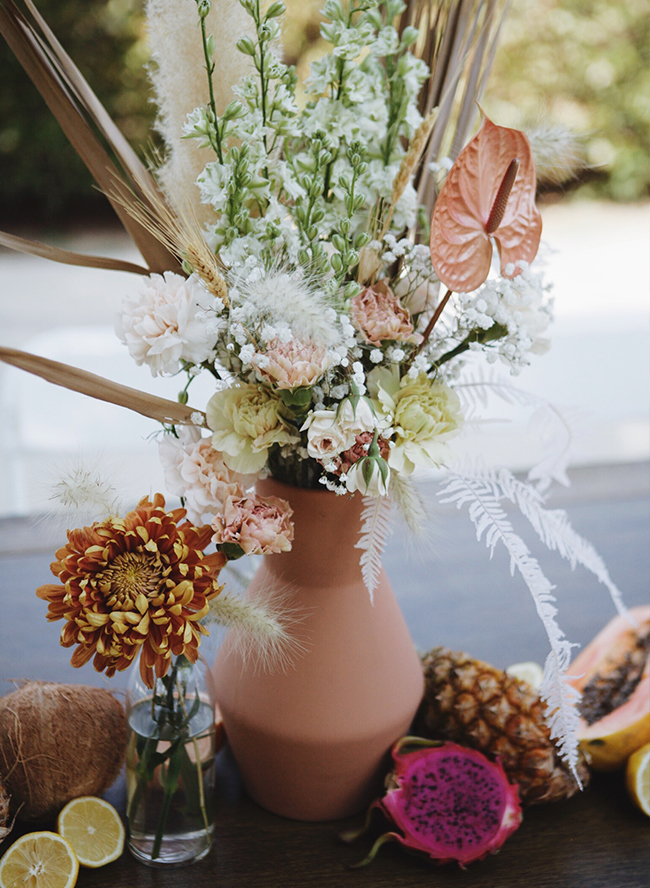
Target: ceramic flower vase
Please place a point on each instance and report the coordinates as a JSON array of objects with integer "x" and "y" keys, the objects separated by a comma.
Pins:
[{"x": 311, "y": 741}]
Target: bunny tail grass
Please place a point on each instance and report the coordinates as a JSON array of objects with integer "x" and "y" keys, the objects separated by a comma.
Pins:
[{"x": 263, "y": 630}]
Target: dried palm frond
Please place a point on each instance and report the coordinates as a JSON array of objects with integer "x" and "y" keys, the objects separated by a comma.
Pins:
[
  {"x": 82, "y": 116},
  {"x": 67, "y": 257},
  {"x": 457, "y": 40},
  {"x": 103, "y": 389}
]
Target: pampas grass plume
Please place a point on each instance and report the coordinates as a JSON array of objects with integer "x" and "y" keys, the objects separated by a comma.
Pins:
[{"x": 180, "y": 83}]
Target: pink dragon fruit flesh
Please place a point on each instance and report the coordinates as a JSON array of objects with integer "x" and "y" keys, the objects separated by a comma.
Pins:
[{"x": 447, "y": 801}]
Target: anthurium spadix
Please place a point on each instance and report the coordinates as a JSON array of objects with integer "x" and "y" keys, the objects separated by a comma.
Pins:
[{"x": 488, "y": 195}]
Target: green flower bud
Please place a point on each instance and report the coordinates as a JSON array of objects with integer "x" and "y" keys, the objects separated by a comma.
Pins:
[{"x": 246, "y": 45}]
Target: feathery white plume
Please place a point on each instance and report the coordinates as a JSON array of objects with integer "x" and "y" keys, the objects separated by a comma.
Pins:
[
  {"x": 180, "y": 83},
  {"x": 557, "y": 152},
  {"x": 553, "y": 528},
  {"x": 407, "y": 498},
  {"x": 261, "y": 630},
  {"x": 288, "y": 297},
  {"x": 78, "y": 492}
]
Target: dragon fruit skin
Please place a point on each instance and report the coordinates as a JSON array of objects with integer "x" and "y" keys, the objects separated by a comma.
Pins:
[{"x": 448, "y": 801}]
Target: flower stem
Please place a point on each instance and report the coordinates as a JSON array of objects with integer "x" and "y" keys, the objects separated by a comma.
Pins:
[
  {"x": 215, "y": 139},
  {"x": 432, "y": 323}
]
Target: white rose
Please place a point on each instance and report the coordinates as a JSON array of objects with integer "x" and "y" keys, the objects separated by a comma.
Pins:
[
  {"x": 325, "y": 436},
  {"x": 375, "y": 485}
]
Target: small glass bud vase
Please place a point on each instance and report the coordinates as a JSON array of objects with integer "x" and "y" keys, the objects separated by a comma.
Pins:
[{"x": 170, "y": 765}]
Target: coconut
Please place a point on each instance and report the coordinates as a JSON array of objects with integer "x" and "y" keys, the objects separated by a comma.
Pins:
[
  {"x": 58, "y": 742},
  {"x": 5, "y": 826}
]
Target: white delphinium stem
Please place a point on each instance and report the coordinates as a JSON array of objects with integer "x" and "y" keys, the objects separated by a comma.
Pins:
[{"x": 180, "y": 83}]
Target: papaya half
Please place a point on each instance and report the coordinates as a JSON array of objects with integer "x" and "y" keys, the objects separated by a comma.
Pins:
[{"x": 613, "y": 675}]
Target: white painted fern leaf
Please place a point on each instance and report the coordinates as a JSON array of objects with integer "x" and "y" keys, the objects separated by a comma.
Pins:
[
  {"x": 482, "y": 494},
  {"x": 375, "y": 530},
  {"x": 553, "y": 528},
  {"x": 552, "y": 466}
]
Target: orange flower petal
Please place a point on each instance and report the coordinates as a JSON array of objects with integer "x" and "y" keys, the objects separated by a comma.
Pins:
[{"x": 461, "y": 250}]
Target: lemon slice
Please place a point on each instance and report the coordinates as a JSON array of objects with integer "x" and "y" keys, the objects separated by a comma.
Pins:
[
  {"x": 94, "y": 829},
  {"x": 39, "y": 860},
  {"x": 530, "y": 672},
  {"x": 637, "y": 778}
]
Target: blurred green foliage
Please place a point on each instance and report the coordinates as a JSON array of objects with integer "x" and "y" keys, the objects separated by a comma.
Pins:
[
  {"x": 584, "y": 63},
  {"x": 40, "y": 174}
]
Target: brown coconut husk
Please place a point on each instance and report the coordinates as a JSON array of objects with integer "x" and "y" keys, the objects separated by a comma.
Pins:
[
  {"x": 5, "y": 826},
  {"x": 58, "y": 742}
]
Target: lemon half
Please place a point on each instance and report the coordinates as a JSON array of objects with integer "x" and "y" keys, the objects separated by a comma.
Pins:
[
  {"x": 94, "y": 829},
  {"x": 39, "y": 860},
  {"x": 637, "y": 778}
]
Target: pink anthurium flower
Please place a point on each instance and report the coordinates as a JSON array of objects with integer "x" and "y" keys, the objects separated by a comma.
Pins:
[{"x": 489, "y": 193}]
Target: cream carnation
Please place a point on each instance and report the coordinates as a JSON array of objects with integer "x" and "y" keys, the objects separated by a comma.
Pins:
[
  {"x": 166, "y": 323},
  {"x": 246, "y": 420},
  {"x": 196, "y": 471},
  {"x": 425, "y": 415},
  {"x": 379, "y": 315},
  {"x": 259, "y": 525},
  {"x": 294, "y": 363}
]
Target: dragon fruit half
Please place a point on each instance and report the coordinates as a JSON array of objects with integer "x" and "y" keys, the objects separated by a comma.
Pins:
[{"x": 448, "y": 801}]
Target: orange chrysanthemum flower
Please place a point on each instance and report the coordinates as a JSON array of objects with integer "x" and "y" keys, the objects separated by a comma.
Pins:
[{"x": 138, "y": 583}]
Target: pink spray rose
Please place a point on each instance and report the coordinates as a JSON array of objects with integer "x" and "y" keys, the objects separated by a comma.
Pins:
[
  {"x": 259, "y": 525},
  {"x": 379, "y": 314}
]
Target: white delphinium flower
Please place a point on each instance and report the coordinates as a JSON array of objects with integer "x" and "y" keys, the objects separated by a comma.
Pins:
[{"x": 171, "y": 318}]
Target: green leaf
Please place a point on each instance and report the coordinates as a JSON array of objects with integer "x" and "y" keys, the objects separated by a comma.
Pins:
[{"x": 232, "y": 551}]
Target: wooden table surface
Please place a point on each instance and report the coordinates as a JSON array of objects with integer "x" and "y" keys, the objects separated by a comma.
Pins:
[{"x": 451, "y": 594}]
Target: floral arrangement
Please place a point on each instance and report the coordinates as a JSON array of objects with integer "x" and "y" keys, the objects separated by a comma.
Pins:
[{"x": 294, "y": 256}]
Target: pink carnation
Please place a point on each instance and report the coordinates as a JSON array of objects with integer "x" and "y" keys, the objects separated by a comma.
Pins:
[
  {"x": 260, "y": 525},
  {"x": 379, "y": 314},
  {"x": 196, "y": 471},
  {"x": 294, "y": 363}
]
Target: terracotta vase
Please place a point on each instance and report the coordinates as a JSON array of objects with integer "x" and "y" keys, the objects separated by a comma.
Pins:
[{"x": 311, "y": 742}]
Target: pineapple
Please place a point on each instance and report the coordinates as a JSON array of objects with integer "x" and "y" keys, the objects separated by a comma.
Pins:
[{"x": 476, "y": 705}]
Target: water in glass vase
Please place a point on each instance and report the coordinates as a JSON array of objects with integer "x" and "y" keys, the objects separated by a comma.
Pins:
[{"x": 170, "y": 787}]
